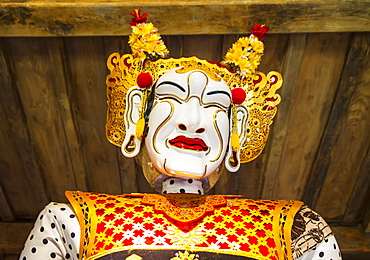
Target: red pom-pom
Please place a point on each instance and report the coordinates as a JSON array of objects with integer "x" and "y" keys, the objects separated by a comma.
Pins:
[
  {"x": 144, "y": 80},
  {"x": 238, "y": 95}
]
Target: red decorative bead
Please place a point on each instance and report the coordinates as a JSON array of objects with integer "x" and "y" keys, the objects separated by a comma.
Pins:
[
  {"x": 144, "y": 80},
  {"x": 238, "y": 95}
]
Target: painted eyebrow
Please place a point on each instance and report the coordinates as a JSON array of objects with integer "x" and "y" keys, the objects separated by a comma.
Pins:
[
  {"x": 219, "y": 92},
  {"x": 173, "y": 84}
]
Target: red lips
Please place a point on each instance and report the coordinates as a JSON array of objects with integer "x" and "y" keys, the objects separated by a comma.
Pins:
[{"x": 196, "y": 144}]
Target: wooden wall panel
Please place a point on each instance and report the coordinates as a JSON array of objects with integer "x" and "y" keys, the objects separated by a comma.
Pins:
[
  {"x": 86, "y": 65},
  {"x": 35, "y": 72},
  {"x": 54, "y": 117},
  {"x": 174, "y": 44},
  {"x": 65, "y": 108},
  {"x": 16, "y": 156},
  {"x": 318, "y": 80},
  {"x": 291, "y": 65},
  {"x": 356, "y": 58},
  {"x": 360, "y": 196},
  {"x": 206, "y": 47},
  {"x": 350, "y": 152}
]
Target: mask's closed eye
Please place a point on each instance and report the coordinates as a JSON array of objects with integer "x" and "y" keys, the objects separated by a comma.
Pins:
[
  {"x": 171, "y": 89},
  {"x": 218, "y": 97}
]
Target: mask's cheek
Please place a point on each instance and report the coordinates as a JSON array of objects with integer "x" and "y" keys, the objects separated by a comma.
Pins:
[
  {"x": 160, "y": 125},
  {"x": 218, "y": 137}
]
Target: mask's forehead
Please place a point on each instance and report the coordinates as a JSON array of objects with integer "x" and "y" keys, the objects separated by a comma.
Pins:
[{"x": 192, "y": 83}]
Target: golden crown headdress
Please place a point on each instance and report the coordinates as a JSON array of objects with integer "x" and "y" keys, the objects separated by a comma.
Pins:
[{"x": 148, "y": 62}]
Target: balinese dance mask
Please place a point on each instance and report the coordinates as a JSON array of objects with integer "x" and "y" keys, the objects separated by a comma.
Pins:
[{"x": 192, "y": 114}]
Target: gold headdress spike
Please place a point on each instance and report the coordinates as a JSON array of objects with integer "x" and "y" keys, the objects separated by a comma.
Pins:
[
  {"x": 244, "y": 58},
  {"x": 253, "y": 93},
  {"x": 245, "y": 55},
  {"x": 145, "y": 41}
]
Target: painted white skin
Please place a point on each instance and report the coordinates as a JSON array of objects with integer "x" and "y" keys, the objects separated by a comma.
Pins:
[{"x": 189, "y": 124}]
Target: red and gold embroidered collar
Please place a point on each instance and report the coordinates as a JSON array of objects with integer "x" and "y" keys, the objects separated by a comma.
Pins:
[{"x": 259, "y": 229}]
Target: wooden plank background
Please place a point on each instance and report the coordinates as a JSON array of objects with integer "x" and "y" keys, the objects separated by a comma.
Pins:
[
  {"x": 53, "y": 109},
  {"x": 53, "y": 103}
]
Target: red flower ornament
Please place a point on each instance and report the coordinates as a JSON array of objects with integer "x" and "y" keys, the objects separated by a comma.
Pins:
[
  {"x": 259, "y": 31},
  {"x": 138, "y": 18},
  {"x": 238, "y": 96},
  {"x": 144, "y": 80}
]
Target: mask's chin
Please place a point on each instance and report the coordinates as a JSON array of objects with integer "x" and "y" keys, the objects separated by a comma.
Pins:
[
  {"x": 156, "y": 177},
  {"x": 181, "y": 169},
  {"x": 184, "y": 164}
]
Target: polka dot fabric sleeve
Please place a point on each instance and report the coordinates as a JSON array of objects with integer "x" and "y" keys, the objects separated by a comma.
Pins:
[
  {"x": 327, "y": 250},
  {"x": 56, "y": 235}
]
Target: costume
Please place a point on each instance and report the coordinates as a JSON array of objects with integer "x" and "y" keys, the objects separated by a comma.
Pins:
[
  {"x": 198, "y": 118},
  {"x": 56, "y": 234}
]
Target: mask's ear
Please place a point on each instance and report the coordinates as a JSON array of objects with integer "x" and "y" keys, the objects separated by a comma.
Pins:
[
  {"x": 232, "y": 160},
  {"x": 131, "y": 144}
]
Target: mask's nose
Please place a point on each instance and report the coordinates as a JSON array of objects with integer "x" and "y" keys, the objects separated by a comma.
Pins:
[
  {"x": 192, "y": 116},
  {"x": 191, "y": 120}
]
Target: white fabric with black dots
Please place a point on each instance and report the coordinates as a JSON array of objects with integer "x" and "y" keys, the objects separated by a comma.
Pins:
[
  {"x": 327, "y": 250},
  {"x": 56, "y": 235},
  {"x": 177, "y": 185}
]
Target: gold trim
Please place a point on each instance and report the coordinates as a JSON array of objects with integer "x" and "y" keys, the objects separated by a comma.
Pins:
[
  {"x": 289, "y": 224},
  {"x": 219, "y": 136},
  {"x": 131, "y": 142},
  {"x": 71, "y": 198},
  {"x": 276, "y": 227}
]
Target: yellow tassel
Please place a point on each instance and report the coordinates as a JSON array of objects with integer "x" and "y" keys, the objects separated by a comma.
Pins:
[
  {"x": 140, "y": 128},
  {"x": 235, "y": 142}
]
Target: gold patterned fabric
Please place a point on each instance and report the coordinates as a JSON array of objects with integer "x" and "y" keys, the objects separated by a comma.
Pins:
[{"x": 254, "y": 229}]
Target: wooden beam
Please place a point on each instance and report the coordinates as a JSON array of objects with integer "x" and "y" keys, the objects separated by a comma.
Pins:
[
  {"x": 93, "y": 17},
  {"x": 351, "y": 239},
  {"x": 6, "y": 213},
  {"x": 14, "y": 234}
]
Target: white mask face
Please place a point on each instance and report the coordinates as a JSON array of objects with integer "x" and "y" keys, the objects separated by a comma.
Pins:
[{"x": 189, "y": 124}]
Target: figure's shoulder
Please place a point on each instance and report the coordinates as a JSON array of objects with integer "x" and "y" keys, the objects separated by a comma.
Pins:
[
  {"x": 311, "y": 236},
  {"x": 55, "y": 209}
]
